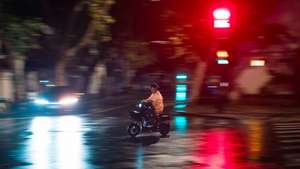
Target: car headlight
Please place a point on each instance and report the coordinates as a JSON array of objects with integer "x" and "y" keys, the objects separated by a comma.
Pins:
[
  {"x": 41, "y": 101},
  {"x": 68, "y": 101}
]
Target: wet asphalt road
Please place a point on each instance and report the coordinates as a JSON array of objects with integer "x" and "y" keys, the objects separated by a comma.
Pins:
[{"x": 100, "y": 140}]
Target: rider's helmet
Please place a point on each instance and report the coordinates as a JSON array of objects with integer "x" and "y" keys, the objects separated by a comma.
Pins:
[{"x": 154, "y": 85}]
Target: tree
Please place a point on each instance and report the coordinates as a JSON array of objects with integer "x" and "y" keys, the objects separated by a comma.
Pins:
[
  {"x": 19, "y": 35},
  {"x": 96, "y": 30},
  {"x": 137, "y": 54},
  {"x": 188, "y": 28},
  {"x": 189, "y": 41}
]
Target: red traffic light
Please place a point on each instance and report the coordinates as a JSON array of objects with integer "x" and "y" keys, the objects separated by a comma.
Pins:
[
  {"x": 221, "y": 13},
  {"x": 221, "y": 18}
]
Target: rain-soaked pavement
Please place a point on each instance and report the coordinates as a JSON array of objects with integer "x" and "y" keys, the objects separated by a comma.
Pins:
[{"x": 100, "y": 141}]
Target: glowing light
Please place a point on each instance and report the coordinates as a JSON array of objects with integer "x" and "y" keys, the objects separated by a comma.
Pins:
[
  {"x": 255, "y": 138},
  {"x": 180, "y": 106},
  {"x": 223, "y": 62},
  {"x": 140, "y": 158},
  {"x": 44, "y": 81},
  {"x": 41, "y": 124},
  {"x": 222, "y": 54},
  {"x": 257, "y": 63},
  {"x": 50, "y": 85},
  {"x": 224, "y": 84},
  {"x": 181, "y": 77},
  {"x": 68, "y": 101},
  {"x": 69, "y": 123},
  {"x": 64, "y": 149},
  {"x": 180, "y": 96},
  {"x": 222, "y": 16},
  {"x": 181, "y": 123},
  {"x": 221, "y": 149},
  {"x": 221, "y": 13},
  {"x": 221, "y": 24},
  {"x": 181, "y": 88},
  {"x": 70, "y": 150},
  {"x": 41, "y": 101}
]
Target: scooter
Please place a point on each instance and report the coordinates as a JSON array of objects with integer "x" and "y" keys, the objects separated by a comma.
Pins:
[{"x": 144, "y": 119}]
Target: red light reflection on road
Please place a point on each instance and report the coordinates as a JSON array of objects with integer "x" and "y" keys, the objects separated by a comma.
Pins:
[{"x": 221, "y": 149}]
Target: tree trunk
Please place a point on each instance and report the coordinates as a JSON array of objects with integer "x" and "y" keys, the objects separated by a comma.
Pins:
[
  {"x": 69, "y": 54},
  {"x": 97, "y": 79},
  {"x": 18, "y": 64},
  {"x": 198, "y": 78},
  {"x": 65, "y": 53},
  {"x": 60, "y": 74},
  {"x": 126, "y": 74}
]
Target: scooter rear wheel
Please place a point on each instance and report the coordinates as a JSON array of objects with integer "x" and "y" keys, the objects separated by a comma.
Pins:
[{"x": 164, "y": 129}]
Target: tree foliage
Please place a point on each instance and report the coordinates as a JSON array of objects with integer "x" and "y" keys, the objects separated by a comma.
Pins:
[
  {"x": 138, "y": 54},
  {"x": 19, "y": 33},
  {"x": 100, "y": 17},
  {"x": 22, "y": 35}
]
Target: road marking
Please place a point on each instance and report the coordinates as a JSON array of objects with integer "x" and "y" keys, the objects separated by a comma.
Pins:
[
  {"x": 287, "y": 124},
  {"x": 289, "y": 136},
  {"x": 80, "y": 114},
  {"x": 288, "y": 132},
  {"x": 290, "y": 141},
  {"x": 108, "y": 109},
  {"x": 290, "y": 147},
  {"x": 287, "y": 128}
]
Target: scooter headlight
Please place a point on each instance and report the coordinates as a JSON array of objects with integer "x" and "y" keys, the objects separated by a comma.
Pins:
[{"x": 140, "y": 105}]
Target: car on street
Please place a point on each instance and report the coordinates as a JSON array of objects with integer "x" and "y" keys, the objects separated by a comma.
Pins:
[{"x": 58, "y": 98}]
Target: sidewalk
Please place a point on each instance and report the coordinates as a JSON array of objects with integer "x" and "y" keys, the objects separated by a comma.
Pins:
[{"x": 239, "y": 111}]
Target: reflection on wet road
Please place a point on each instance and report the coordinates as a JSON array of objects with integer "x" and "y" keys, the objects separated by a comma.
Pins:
[
  {"x": 84, "y": 142},
  {"x": 56, "y": 143}
]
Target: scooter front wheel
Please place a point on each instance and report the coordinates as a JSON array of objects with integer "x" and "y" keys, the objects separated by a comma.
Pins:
[{"x": 133, "y": 129}]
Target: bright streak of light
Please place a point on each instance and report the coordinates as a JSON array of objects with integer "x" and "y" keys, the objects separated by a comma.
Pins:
[
  {"x": 222, "y": 54},
  {"x": 221, "y": 13},
  {"x": 140, "y": 158},
  {"x": 180, "y": 106},
  {"x": 181, "y": 88},
  {"x": 68, "y": 101},
  {"x": 223, "y": 62},
  {"x": 181, "y": 77},
  {"x": 222, "y": 149},
  {"x": 181, "y": 124},
  {"x": 41, "y": 125},
  {"x": 221, "y": 24},
  {"x": 69, "y": 143},
  {"x": 224, "y": 84},
  {"x": 69, "y": 123},
  {"x": 181, "y": 96},
  {"x": 64, "y": 149},
  {"x": 39, "y": 144},
  {"x": 44, "y": 81},
  {"x": 70, "y": 152},
  {"x": 257, "y": 63},
  {"x": 255, "y": 129},
  {"x": 41, "y": 101},
  {"x": 212, "y": 87},
  {"x": 40, "y": 150}
]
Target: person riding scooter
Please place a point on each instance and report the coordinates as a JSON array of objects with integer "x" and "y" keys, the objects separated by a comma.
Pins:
[{"x": 156, "y": 100}]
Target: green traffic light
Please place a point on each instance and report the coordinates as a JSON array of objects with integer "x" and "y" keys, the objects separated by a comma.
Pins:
[{"x": 181, "y": 77}]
